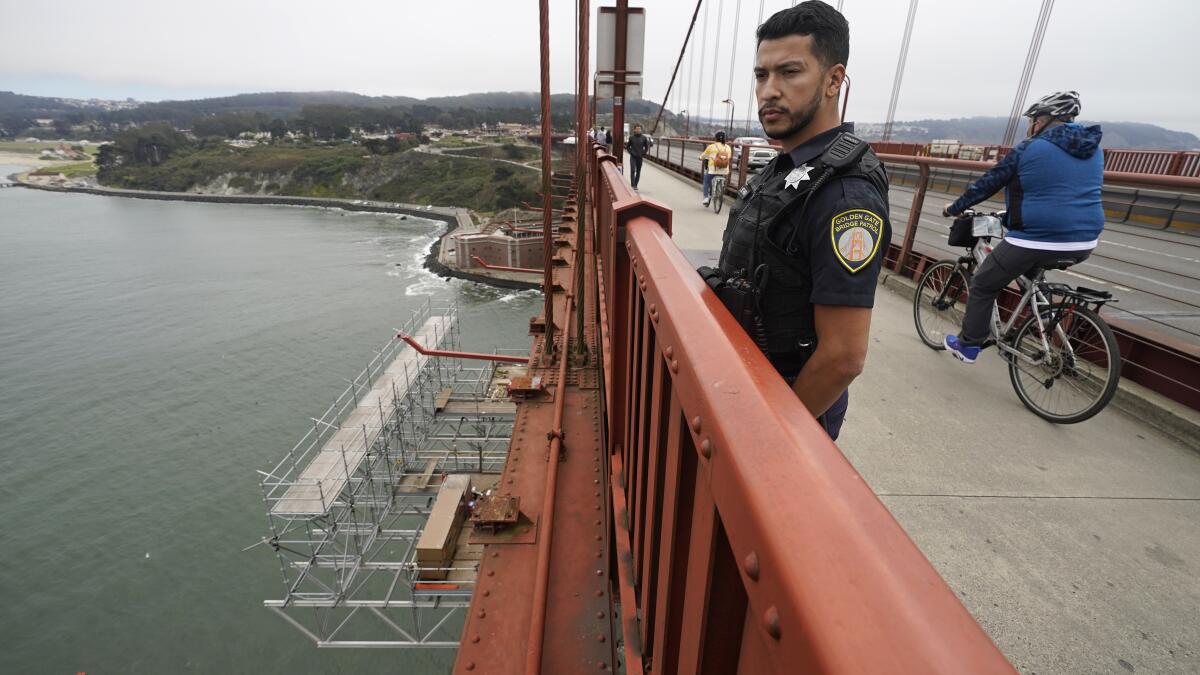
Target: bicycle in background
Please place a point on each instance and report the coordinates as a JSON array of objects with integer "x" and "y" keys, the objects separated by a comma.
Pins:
[
  {"x": 1063, "y": 359},
  {"x": 718, "y": 192}
]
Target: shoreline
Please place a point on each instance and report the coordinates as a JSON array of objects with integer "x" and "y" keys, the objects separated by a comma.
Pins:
[{"x": 452, "y": 217}]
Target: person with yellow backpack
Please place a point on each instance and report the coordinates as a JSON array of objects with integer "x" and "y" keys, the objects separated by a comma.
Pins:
[{"x": 718, "y": 156}]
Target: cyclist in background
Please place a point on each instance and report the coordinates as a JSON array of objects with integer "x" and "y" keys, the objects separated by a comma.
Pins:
[
  {"x": 1052, "y": 186},
  {"x": 718, "y": 155}
]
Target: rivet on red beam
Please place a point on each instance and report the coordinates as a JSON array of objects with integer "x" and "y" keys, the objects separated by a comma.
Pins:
[
  {"x": 470, "y": 665},
  {"x": 482, "y": 613},
  {"x": 474, "y": 639},
  {"x": 771, "y": 622},
  {"x": 670, "y": 351},
  {"x": 675, "y": 366},
  {"x": 696, "y": 424},
  {"x": 705, "y": 447},
  {"x": 750, "y": 564}
]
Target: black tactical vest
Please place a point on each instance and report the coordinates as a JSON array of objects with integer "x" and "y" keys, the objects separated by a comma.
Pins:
[{"x": 760, "y": 224}]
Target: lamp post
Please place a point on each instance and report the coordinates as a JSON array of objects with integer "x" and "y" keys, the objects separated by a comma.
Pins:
[
  {"x": 686, "y": 119},
  {"x": 732, "y": 106}
]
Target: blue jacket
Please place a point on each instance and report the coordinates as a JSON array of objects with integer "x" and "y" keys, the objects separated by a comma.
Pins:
[{"x": 1052, "y": 186}]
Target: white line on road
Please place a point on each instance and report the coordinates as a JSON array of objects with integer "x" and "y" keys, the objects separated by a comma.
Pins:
[
  {"x": 1151, "y": 251},
  {"x": 1138, "y": 276}
]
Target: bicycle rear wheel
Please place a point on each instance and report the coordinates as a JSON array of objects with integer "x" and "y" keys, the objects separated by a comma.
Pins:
[
  {"x": 718, "y": 195},
  {"x": 1066, "y": 386},
  {"x": 939, "y": 302}
]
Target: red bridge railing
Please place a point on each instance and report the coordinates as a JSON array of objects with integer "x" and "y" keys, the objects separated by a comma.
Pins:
[{"x": 745, "y": 541}]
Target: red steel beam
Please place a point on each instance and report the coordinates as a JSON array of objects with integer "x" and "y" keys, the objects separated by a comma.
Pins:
[
  {"x": 421, "y": 349},
  {"x": 537, "y": 621},
  {"x": 547, "y": 213}
]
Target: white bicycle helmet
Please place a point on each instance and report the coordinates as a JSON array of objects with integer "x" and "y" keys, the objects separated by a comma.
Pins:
[{"x": 1063, "y": 105}]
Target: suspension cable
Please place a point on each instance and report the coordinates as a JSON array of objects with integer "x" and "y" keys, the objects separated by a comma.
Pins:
[
  {"x": 750, "y": 107},
  {"x": 737, "y": 15},
  {"x": 712, "y": 91},
  {"x": 703, "y": 55},
  {"x": 675, "y": 72}
]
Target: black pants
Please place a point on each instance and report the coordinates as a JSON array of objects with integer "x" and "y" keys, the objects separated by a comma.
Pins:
[
  {"x": 635, "y": 170},
  {"x": 1006, "y": 262}
]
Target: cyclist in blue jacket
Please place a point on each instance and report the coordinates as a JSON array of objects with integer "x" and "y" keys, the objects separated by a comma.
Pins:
[{"x": 1052, "y": 184}]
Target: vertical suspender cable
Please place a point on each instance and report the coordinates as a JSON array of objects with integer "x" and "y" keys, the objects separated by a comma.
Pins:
[
  {"x": 675, "y": 72},
  {"x": 547, "y": 194},
  {"x": 712, "y": 92},
  {"x": 1031, "y": 58},
  {"x": 737, "y": 15},
  {"x": 1018, "y": 98},
  {"x": 700, "y": 75},
  {"x": 751, "y": 108},
  {"x": 687, "y": 98},
  {"x": 908, "y": 26}
]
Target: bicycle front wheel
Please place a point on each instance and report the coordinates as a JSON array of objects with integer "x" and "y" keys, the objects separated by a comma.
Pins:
[
  {"x": 939, "y": 302},
  {"x": 1073, "y": 373}
]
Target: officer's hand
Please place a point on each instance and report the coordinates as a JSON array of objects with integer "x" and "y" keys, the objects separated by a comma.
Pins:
[{"x": 946, "y": 211}]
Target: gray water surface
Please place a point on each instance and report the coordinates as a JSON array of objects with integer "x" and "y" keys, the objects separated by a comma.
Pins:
[{"x": 153, "y": 355}]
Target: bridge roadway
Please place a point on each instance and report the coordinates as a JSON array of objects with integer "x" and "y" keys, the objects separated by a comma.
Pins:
[{"x": 1076, "y": 547}]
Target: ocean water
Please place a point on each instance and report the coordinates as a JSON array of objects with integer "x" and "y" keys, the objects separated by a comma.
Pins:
[{"x": 153, "y": 355}]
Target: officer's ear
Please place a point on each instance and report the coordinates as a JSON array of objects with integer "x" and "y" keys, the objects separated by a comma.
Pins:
[{"x": 834, "y": 76}]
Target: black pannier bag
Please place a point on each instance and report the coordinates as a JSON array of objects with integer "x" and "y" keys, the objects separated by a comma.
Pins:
[{"x": 960, "y": 232}]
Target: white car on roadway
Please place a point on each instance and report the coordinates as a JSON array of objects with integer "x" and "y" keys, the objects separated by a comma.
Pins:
[{"x": 761, "y": 153}]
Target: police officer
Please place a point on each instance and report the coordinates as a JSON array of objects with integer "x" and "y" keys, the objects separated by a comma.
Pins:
[{"x": 811, "y": 230}]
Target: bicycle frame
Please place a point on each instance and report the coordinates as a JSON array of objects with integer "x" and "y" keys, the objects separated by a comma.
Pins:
[{"x": 1031, "y": 296}]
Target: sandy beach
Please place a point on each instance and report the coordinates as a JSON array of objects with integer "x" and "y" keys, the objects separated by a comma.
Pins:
[{"x": 25, "y": 160}]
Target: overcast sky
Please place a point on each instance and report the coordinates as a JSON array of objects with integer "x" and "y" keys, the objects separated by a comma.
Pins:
[{"x": 1129, "y": 61}]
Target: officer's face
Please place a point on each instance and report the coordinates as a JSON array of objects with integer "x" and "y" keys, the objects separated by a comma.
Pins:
[{"x": 791, "y": 84}]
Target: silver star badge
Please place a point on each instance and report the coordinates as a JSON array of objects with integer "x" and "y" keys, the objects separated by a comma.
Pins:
[{"x": 792, "y": 180}]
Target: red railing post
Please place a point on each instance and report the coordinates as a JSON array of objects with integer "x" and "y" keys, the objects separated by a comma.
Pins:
[{"x": 914, "y": 219}]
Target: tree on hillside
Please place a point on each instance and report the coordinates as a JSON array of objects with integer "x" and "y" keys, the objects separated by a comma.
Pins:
[{"x": 150, "y": 144}]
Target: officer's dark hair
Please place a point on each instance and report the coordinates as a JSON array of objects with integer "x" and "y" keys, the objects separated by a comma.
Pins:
[{"x": 829, "y": 30}]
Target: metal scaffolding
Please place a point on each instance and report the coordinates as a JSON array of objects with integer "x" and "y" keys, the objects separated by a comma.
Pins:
[{"x": 347, "y": 504}]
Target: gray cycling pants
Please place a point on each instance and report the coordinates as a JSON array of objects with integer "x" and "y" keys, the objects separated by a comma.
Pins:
[{"x": 1006, "y": 263}]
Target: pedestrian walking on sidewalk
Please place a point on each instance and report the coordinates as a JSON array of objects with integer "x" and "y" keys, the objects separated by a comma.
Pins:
[{"x": 637, "y": 145}]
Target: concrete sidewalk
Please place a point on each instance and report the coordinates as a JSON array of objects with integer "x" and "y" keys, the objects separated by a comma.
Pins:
[{"x": 1076, "y": 547}]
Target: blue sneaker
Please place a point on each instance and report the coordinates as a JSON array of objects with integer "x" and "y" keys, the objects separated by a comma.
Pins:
[{"x": 964, "y": 353}]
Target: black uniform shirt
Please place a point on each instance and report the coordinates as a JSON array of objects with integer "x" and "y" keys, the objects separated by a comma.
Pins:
[{"x": 845, "y": 230}]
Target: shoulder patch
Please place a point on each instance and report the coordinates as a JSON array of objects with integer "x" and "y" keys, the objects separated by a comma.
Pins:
[{"x": 855, "y": 236}]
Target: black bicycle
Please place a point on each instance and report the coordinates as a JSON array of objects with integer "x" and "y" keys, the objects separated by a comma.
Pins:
[{"x": 1063, "y": 359}]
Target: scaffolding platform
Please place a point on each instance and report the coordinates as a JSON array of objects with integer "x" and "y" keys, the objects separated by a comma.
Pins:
[
  {"x": 331, "y": 468},
  {"x": 350, "y": 503}
]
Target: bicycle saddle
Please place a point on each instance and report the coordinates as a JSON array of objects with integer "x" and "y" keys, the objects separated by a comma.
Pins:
[{"x": 1059, "y": 264}]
